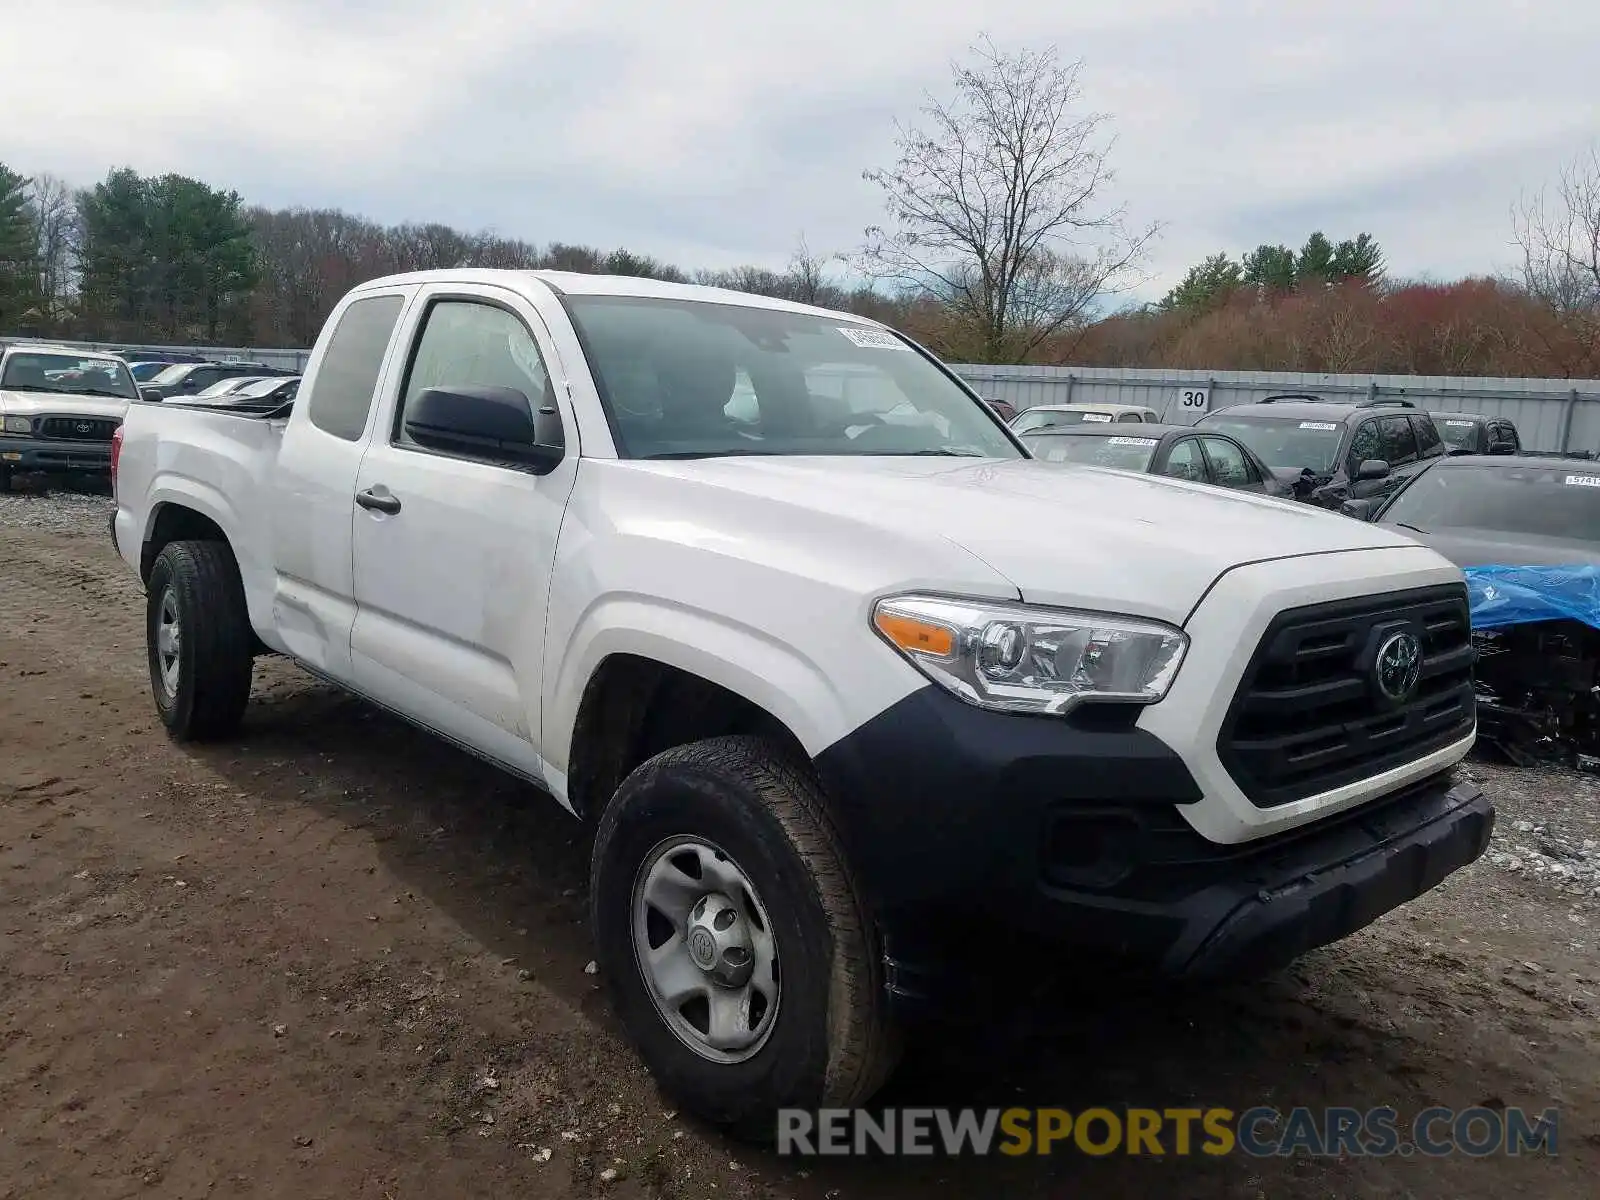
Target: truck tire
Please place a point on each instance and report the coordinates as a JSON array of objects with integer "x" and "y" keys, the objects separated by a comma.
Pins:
[
  {"x": 198, "y": 635},
  {"x": 735, "y": 839}
]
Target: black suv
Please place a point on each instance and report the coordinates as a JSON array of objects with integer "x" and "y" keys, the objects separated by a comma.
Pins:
[{"x": 1331, "y": 451}]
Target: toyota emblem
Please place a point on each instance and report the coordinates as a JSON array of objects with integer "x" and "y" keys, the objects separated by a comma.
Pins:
[
  {"x": 83, "y": 427},
  {"x": 1399, "y": 666}
]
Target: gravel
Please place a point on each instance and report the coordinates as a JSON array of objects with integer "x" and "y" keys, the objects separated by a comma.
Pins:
[{"x": 56, "y": 512}]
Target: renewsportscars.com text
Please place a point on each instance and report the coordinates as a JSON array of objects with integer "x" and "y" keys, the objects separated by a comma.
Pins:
[{"x": 1259, "y": 1132}]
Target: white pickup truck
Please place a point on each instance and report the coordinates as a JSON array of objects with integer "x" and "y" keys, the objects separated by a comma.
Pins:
[{"x": 865, "y": 706}]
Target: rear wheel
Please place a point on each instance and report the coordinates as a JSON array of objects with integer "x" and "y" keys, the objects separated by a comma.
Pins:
[
  {"x": 735, "y": 943},
  {"x": 199, "y": 640}
]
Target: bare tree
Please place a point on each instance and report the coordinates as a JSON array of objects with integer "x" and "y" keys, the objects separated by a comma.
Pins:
[
  {"x": 996, "y": 205},
  {"x": 1559, "y": 235},
  {"x": 55, "y": 216},
  {"x": 807, "y": 274}
]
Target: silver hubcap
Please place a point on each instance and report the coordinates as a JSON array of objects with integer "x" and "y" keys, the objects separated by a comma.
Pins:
[
  {"x": 169, "y": 638},
  {"x": 705, "y": 949}
]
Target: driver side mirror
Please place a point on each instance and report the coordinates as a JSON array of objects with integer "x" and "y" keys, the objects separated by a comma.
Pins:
[
  {"x": 153, "y": 395},
  {"x": 1372, "y": 468},
  {"x": 1360, "y": 510},
  {"x": 1369, "y": 475},
  {"x": 492, "y": 423}
]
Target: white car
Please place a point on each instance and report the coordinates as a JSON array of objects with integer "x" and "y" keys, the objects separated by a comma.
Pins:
[
  {"x": 58, "y": 409},
  {"x": 1046, "y": 416},
  {"x": 853, "y": 691}
]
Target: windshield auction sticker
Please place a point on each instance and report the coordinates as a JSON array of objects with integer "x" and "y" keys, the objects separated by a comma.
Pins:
[
  {"x": 1127, "y": 441},
  {"x": 1098, "y": 418},
  {"x": 1318, "y": 425},
  {"x": 1583, "y": 480},
  {"x": 871, "y": 339}
]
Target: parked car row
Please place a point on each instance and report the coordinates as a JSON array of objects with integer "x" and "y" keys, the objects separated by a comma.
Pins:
[{"x": 61, "y": 406}]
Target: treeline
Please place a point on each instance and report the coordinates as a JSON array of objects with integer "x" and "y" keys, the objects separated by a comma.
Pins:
[{"x": 173, "y": 260}]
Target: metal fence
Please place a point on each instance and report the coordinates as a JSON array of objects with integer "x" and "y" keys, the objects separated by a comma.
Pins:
[{"x": 1550, "y": 414}]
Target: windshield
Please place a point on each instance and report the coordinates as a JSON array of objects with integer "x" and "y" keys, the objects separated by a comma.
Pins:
[
  {"x": 690, "y": 379},
  {"x": 69, "y": 375},
  {"x": 1458, "y": 435},
  {"x": 172, "y": 374},
  {"x": 225, "y": 386},
  {"x": 259, "y": 387},
  {"x": 1552, "y": 502},
  {"x": 1119, "y": 453},
  {"x": 1036, "y": 418},
  {"x": 1285, "y": 444},
  {"x": 145, "y": 371}
]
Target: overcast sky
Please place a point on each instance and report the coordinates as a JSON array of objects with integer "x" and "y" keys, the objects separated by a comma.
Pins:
[{"x": 713, "y": 133}]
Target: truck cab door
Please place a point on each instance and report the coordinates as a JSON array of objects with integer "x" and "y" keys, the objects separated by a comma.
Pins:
[
  {"x": 311, "y": 491},
  {"x": 453, "y": 550}
]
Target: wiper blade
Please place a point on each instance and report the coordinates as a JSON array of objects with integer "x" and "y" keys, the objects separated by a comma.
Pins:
[
  {"x": 1413, "y": 528},
  {"x": 924, "y": 454},
  {"x": 103, "y": 392}
]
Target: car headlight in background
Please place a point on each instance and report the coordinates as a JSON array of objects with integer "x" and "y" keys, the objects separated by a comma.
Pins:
[
  {"x": 21, "y": 425},
  {"x": 1026, "y": 658}
]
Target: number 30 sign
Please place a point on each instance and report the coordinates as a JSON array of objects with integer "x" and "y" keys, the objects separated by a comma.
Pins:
[{"x": 1195, "y": 399}]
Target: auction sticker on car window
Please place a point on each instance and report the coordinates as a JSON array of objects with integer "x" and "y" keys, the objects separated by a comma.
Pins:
[
  {"x": 1318, "y": 425},
  {"x": 1583, "y": 480},
  {"x": 1098, "y": 418},
  {"x": 871, "y": 339},
  {"x": 1123, "y": 441},
  {"x": 1459, "y": 424}
]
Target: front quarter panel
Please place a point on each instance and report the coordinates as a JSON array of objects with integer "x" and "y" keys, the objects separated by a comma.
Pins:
[{"x": 765, "y": 599}]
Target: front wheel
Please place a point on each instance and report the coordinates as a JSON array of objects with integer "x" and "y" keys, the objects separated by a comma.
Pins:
[
  {"x": 199, "y": 640},
  {"x": 736, "y": 945}
]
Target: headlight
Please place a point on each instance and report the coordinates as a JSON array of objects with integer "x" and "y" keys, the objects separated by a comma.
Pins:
[
  {"x": 22, "y": 425},
  {"x": 1023, "y": 658}
]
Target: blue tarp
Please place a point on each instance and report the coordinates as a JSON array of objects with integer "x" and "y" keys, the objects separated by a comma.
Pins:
[{"x": 1502, "y": 596}]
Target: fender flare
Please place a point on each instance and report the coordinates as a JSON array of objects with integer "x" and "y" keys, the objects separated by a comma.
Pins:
[{"x": 747, "y": 661}]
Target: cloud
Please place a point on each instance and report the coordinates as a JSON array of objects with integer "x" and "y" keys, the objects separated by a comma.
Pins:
[{"x": 711, "y": 132}]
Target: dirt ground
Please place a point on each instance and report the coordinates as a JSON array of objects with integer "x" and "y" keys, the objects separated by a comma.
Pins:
[{"x": 338, "y": 959}]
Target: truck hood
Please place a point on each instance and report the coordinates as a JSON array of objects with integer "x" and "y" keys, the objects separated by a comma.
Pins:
[
  {"x": 66, "y": 404},
  {"x": 1059, "y": 533}
]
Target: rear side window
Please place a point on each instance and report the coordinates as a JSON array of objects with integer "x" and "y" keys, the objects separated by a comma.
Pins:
[
  {"x": 342, "y": 395},
  {"x": 1399, "y": 442},
  {"x": 1429, "y": 443},
  {"x": 1134, "y": 418}
]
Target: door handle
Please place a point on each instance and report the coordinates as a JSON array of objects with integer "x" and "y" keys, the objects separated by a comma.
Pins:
[{"x": 384, "y": 503}]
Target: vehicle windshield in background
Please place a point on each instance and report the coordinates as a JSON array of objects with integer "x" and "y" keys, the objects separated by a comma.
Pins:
[
  {"x": 68, "y": 375},
  {"x": 144, "y": 372},
  {"x": 257, "y": 388},
  {"x": 171, "y": 374},
  {"x": 1285, "y": 444},
  {"x": 1046, "y": 420},
  {"x": 1560, "y": 502},
  {"x": 689, "y": 379},
  {"x": 1119, "y": 453},
  {"x": 1458, "y": 435}
]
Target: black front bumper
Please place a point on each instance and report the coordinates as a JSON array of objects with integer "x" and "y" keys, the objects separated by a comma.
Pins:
[
  {"x": 39, "y": 456},
  {"x": 968, "y": 827}
]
